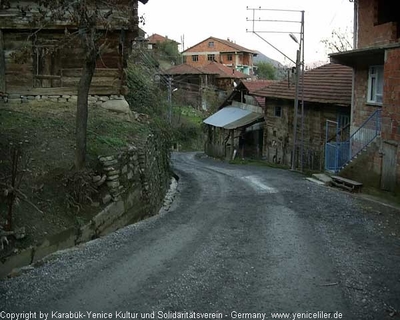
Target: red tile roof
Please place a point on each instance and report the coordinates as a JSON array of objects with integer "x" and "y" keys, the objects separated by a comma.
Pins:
[
  {"x": 223, "y": 71},
  {"x": 234, "y": 46},
  {"x": 212, "y": 68},
  {"x": 184, "y": 69},
  {"x": 156, "y": 38},
  {"x": 254, "y": 85},
  {"x": 330, "y": 83}
]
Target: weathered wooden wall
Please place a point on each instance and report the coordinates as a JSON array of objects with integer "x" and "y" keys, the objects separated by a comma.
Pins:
[{"x": 47, "y": 63}]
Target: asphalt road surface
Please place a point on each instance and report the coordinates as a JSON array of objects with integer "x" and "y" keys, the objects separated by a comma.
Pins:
[{"x": 239, "y": 242}]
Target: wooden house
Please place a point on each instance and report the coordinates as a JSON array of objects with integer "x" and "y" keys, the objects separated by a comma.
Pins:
[
  {"x": 238, "y": 125},
  {"x": 200, "y": 81},
  {"x": 44, "y": 62}
]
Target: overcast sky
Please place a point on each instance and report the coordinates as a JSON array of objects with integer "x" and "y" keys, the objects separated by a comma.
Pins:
[{"x": 197, "y": 20}]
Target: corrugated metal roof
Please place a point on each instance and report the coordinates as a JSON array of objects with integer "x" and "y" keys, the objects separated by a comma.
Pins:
[{"x": 232, "y": 118}]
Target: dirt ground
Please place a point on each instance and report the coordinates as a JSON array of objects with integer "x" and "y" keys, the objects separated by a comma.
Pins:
[{"x": 43, "y": 133}]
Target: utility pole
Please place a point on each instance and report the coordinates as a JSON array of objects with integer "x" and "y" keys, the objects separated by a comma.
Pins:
[
  {"x": 296, "y": 106},
  {"x": 299, "y": 62},
  {"x": 301, "y": 45},
  {"x": 170, "y": 99}
]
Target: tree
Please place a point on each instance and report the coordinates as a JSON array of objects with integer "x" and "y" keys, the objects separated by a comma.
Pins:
[
  {"x": 169, "y": 50},
  {"x": 265, "y": 71},
  {"x": 88, "y": 24},
  {"x": 339, "y": 41}
]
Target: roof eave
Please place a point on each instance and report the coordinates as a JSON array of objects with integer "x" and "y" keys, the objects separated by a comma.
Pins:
[{"x": 370, "y": 55}]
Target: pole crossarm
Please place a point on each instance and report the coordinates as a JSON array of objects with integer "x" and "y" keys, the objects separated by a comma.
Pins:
[
  {"x": 264, "y": 9},
  {"x": 298, "y": 63},
  {"x": 274, "y": 47}
]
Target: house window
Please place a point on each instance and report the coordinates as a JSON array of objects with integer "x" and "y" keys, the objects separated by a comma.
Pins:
[
  {"x": 184, "y": 59},
  {"x": 211, "y": 44},
  {"x": 230, "y": 57},
  {"x": 211, "y": 57},
  {"x": 46, "y": 66},
  {"x": 195, "y": 57},
  {"x": 278, "y": 111},
  {"x": 375, "y": 84}
]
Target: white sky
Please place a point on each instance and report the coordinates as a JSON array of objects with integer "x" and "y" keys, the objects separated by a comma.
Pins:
[{"x": 197, "y": 20}]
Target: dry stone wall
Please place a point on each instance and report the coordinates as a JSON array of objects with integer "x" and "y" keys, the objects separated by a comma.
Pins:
[{"x": 132, "y": 183}]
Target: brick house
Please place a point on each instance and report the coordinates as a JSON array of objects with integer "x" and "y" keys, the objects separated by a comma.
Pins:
[
  {"x": 327, "y": 96},
  {"x": 155, "y": 39},
  {"x": 375, "y": 112},
  {"x": 225, "y": 52}
]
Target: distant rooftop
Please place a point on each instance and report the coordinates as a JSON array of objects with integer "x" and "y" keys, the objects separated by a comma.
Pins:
[{"x": 156, "y": 38}]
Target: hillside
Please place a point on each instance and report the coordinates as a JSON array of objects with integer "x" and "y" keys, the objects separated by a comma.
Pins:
[{"x": 279, "y": 67}]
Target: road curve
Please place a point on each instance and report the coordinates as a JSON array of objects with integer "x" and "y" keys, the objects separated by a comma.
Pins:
[{"x": 239, "y": 241}]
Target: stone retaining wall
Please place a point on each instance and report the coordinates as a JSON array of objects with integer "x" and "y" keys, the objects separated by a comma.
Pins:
[
  {"x": 133, "y": 185},
  {"x": 92, "y": 99}
]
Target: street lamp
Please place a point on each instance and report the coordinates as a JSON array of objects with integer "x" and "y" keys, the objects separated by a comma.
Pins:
[{"x": 293, "y": 37}]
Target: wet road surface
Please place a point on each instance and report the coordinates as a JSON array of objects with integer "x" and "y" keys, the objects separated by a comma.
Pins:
[{"x": 238, "y": 242}]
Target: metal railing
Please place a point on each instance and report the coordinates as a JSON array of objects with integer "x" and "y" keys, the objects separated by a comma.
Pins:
[{"x": 339, "y": 153}]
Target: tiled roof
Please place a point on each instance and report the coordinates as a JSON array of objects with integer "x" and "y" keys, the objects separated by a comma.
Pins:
[
  {"x": 223, "y": 71},
  {"x": 212, "y": 68},
  {"x": 330, "y": 83},
  {"x": 184, "y": 69},
  {"x": 254, "y": 85},
  {"x": 156, "y": 38},
  {"x": 234, "y": 46}
]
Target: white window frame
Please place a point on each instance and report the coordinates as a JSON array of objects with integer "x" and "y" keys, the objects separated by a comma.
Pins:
[{"x": 375, "y": 84}]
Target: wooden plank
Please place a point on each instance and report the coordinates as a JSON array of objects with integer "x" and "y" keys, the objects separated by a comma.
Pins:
[
  {"x": 44, "y": 76},
  {"x": 346, "y": 181},
  {"x": 2, "y": 64}
]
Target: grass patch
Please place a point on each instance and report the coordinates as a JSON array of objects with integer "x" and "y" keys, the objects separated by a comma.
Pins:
[{"x": 45, "y": 134}]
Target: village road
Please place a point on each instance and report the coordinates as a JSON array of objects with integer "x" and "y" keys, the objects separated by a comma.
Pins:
[{"x": 240, "y": 242}]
